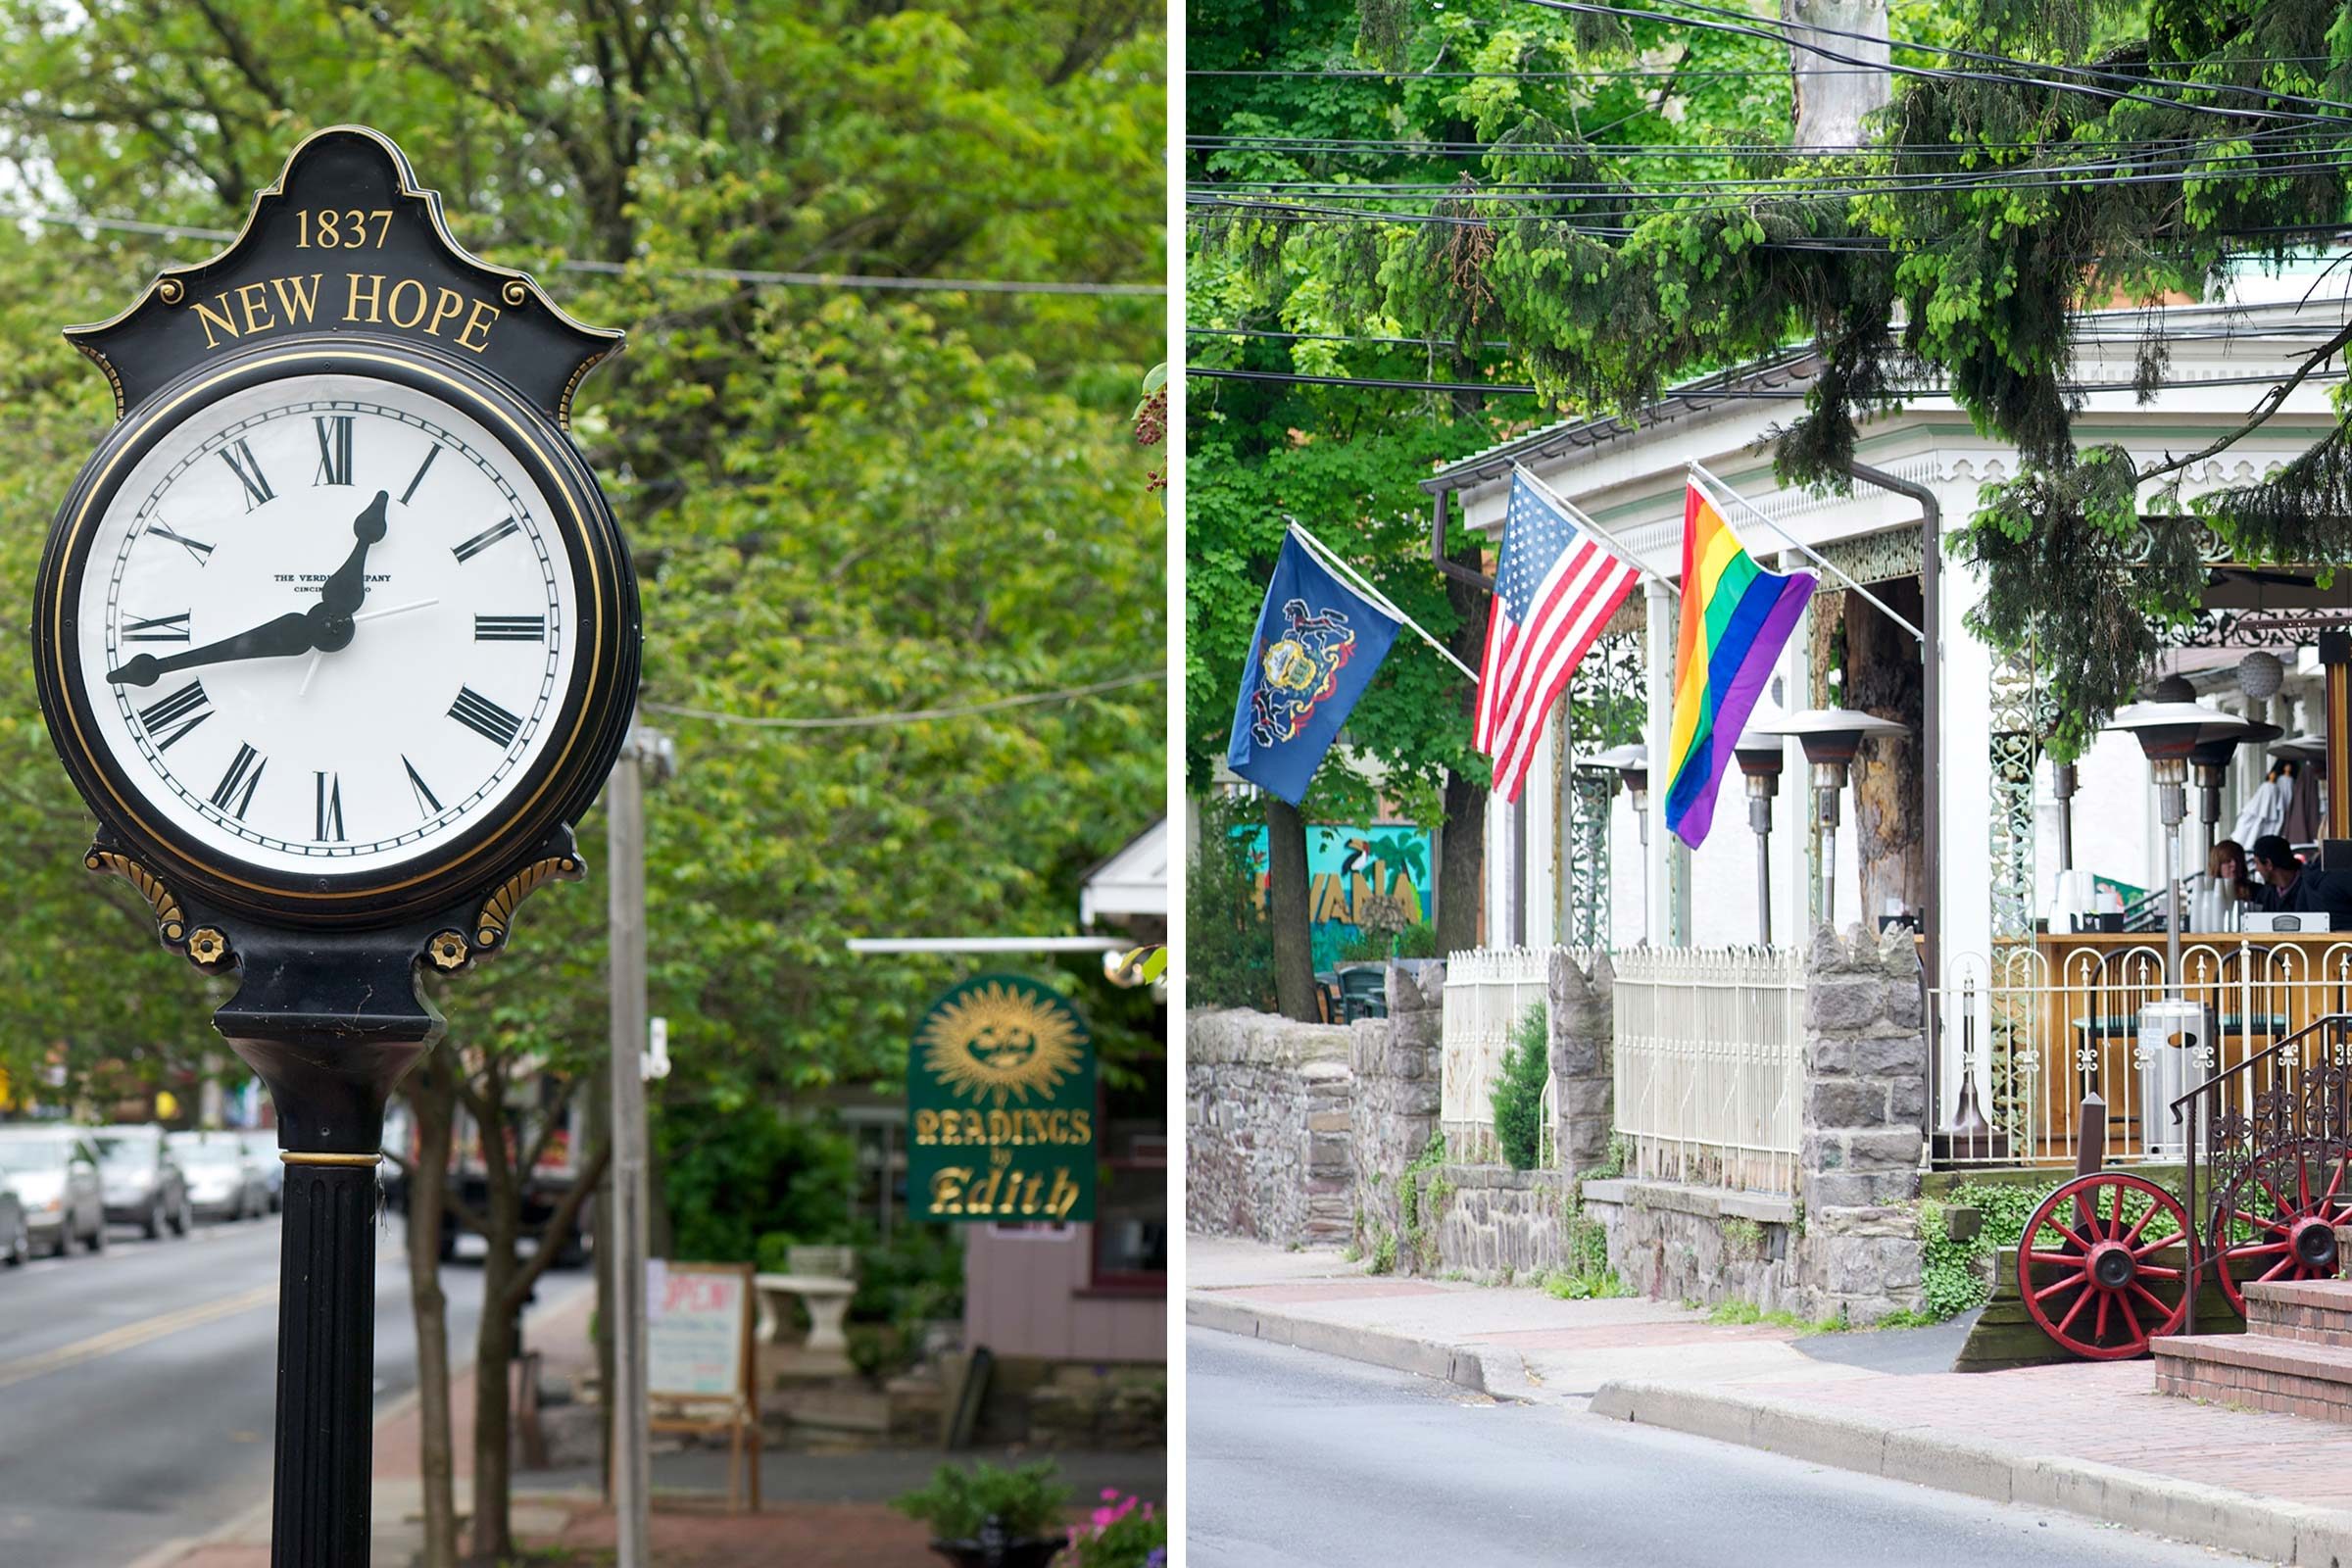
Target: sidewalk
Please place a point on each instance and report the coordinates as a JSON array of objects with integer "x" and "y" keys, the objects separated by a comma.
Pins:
[
  {"x": 2090, "y": 1439},
  {"x": 688, "y": 1530}
]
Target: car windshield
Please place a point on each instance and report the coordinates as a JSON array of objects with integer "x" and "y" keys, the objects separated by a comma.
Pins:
[
  {"x": 34, "y": 1153},
  {"x": 126, "y": 1153}
]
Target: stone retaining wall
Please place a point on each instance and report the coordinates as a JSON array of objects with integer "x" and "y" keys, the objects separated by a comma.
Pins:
[
  {"x": 1493, "y": 1223},
  {"x": 1267, "y": 1128},
  {"x": 1701, "y": 1244}
]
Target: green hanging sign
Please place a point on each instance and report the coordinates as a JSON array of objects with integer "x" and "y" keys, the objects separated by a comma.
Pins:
[{"x": 1000, "y": 1106}]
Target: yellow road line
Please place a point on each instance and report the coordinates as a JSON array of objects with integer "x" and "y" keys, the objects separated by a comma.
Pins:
[{"x": 132, "y": 1335}]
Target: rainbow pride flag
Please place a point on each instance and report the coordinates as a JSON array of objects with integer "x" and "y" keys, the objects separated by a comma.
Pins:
[{"x": 1735, "y": 618}]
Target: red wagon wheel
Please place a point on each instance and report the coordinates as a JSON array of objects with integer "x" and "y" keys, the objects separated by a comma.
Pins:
[
  {"x": 2089, "y": 1268},
  {"x": 2277, "y": 1219}
]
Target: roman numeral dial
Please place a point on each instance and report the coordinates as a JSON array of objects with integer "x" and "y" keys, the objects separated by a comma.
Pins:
[{"x": 326, "y": 629}]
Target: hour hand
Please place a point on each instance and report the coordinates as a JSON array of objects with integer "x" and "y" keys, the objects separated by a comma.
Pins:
[{"x": 282, "y": 638}]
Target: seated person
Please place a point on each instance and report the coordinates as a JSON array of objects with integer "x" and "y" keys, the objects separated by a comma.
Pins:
[{"x": 2290, "y": 887}]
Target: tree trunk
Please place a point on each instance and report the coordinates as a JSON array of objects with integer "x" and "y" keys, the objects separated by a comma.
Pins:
[
  {"x": 432, "y": 1105},
  {"x": 1831, "y": 98},
  {"x": 1286, "y": 908},
  {"x": 1884, "y": 676},
  {"x": 1462, "y": 846}
]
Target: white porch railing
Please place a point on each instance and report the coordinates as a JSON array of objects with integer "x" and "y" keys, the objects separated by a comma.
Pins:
[
  {"x": 1487, "y": 991},
  {"x": 2038, "y": 1027},
  {"x": 1710, "y": 1064}
]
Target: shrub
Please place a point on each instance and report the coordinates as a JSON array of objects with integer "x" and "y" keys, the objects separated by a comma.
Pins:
[
  {"x": 1416, "y": 941},
  {"x": 1227, "y": 946},
  {"x": 736, "y": 1182},
  {"x": 1518, "y": 1093},
  {"x": 1027, "y": 1501},
  {"x": 1125, "y": 1531}
]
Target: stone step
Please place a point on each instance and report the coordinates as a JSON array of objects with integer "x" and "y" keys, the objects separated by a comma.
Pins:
[
  {"x": 2293, "y": 1377},
  {"x": 2317, "y": 1311}
]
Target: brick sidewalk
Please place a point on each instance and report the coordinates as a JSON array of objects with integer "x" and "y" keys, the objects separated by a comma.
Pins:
[{"x": 2106, "y": 1413}]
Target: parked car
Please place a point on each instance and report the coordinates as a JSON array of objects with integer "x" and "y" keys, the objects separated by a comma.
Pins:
[
  {"x": 143, "y": 1183},
  {"x": 15, "y": 1234},
  {"x": 223, "y": 1181},
  {"x": 55, "y": 1172},
  {"x": 262, "y": 1148}
]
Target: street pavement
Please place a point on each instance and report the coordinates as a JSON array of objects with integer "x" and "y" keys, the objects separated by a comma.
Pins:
[
  {"x": 136, "y": 1386},
  {"x": 1300, "y": 1460}
]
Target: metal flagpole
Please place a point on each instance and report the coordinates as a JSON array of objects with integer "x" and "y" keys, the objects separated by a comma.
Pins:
[
  {"x": 1805, "y": 550},
  {"x": 1582, "y": 520},
  {"x": 1323, "y": 554}
]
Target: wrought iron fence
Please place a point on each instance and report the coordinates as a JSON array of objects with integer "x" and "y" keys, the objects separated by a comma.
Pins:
[
  {"x": 2040, "y": 1027},
  {"x": 1487, "y": 991},
  {"x": 1709, "y": 1064}
]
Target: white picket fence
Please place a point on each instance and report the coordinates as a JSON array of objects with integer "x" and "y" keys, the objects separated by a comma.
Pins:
[
  {"x": 1709, "y": 1064},
  {"x": 1487, "y": 991}
]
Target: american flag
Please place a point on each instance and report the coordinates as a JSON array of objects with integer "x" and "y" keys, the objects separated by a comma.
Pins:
[{"x": 1554, "y": 589}]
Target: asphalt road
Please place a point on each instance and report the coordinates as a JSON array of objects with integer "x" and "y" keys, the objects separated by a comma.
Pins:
[
  {"x": 1296, "y": 1460},
  {"x": 137, "y": 1386}
]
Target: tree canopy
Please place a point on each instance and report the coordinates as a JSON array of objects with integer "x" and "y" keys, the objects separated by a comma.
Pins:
[{"x": 1613, "y": 201}]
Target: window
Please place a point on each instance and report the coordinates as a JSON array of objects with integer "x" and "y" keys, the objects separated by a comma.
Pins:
[{"x": 1131, "y": 1210}]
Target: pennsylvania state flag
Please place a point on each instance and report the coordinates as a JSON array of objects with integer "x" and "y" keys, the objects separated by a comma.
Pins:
[{"x": 1318, "y": 644}]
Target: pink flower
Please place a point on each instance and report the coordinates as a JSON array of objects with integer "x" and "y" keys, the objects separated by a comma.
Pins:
[{"x": 1110, "y": 1493}]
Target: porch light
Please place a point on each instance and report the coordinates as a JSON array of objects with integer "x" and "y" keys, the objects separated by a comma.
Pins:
[
  {"x": 2170, "y": 735},
  {"x": 1831, "y": 738},
  {"x": 1760, "y": 757}
]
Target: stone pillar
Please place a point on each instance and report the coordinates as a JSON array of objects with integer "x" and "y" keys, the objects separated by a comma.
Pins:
[
  {"x": 1397, "y": 1063},
  {"x": 1865, "y": 1094},
  {"x": 1583, "y": 1026}
]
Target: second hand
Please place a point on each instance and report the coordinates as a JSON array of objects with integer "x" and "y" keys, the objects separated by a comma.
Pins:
[{"x": 311, "y": 668}]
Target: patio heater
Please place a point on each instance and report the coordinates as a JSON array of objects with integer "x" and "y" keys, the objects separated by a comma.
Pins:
[
  {"x": 2172, "y": 1031},
  {"x": 1760, "y": 758},
  {"x": 1832, "y": 737},
  {"x": 2209, "y": 767},
  {"x": 1631, "y": 764}
]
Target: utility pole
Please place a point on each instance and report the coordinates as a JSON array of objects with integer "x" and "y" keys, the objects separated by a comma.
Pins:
[{"x": 626, "y": 1228}]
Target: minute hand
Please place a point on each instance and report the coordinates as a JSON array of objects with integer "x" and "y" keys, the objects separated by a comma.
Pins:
[{"x": 282, "y": 638}]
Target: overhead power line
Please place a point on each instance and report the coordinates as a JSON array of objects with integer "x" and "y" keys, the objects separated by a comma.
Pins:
[
  {"x": 1764, "y": 394},
  {"x": 733, "y": 275},
  {"x": 912, "y": 715}
]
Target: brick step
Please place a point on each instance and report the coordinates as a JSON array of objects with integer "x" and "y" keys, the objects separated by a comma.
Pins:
[
  {"x": 2318, "y": 1311},
  {"x": 2293, "y": 1377}
]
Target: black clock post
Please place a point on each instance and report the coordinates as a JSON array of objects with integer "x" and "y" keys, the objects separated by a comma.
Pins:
[{"x": 344, "y": 298}]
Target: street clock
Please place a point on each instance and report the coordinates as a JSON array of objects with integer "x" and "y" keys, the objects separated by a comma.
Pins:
[
  {"x": 337, "y": 637},
  {"x": 335, "y": 628}
]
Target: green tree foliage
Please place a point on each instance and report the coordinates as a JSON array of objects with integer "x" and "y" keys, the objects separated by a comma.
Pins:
[
  {"x": 2051, "y": 161},
  {"x": 1517, "y": 1096},
  {"x": 1229, "y": 952}
]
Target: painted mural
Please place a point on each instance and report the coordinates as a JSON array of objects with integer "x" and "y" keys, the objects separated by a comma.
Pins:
[{"x": 1358, "y": 880}]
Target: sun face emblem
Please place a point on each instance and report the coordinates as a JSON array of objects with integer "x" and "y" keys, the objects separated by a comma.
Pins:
[{"x": 998, "y": 1043}]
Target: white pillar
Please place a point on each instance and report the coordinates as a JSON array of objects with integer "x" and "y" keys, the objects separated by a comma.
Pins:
[
  {"x": 1662, "y": 620},
  {"x": 1962, "y": 756}
]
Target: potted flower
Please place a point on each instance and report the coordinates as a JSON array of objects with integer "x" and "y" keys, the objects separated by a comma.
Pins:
[
  {"x": 985, "y": 1517},
  {"x": 1124, "y": 1532}
]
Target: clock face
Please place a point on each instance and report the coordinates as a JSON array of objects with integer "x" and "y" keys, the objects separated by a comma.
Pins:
[{"x": 326, "y": 624}]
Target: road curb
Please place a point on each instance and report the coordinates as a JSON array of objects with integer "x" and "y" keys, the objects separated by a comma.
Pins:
[
  {"x": 2274, "y": 1529},
  {"x": 1399, "y": 1352}
]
